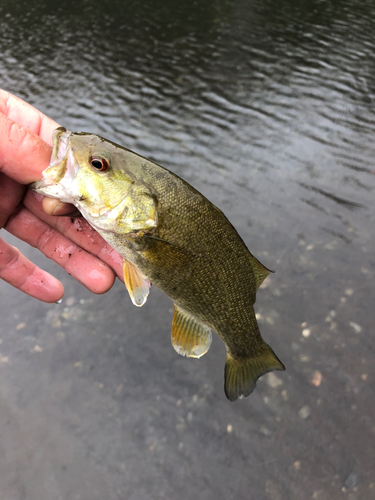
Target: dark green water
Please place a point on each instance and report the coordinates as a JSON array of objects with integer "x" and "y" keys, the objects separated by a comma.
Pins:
[{"x": 268, "y": 109}]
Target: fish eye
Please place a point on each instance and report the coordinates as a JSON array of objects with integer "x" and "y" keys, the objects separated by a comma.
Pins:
[{"x": 98, "y": 163}]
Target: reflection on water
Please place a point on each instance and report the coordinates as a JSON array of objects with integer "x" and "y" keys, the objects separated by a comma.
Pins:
[{"x": 268, "y": 109}]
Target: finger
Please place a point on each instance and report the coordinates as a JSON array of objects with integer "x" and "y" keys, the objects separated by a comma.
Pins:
[
  {"x": 55, "y": 207},
  {"x": 23, "y": 154},
  {"x": 19, "y": 272},
  {"x": 84, "y": 267},
  {"x": 77, "y": 230},
  {"x": 11, "y": 194},
  {"x": 27, "y": 116}
]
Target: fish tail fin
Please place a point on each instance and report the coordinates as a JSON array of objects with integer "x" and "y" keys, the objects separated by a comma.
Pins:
[{"x": 241, "y": 374}]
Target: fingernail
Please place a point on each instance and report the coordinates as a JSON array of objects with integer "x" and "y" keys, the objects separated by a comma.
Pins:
[{"x": 63, "y": 209}]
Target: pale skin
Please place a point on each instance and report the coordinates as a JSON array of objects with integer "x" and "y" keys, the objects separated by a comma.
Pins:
[{"x": 25, "y": 151}]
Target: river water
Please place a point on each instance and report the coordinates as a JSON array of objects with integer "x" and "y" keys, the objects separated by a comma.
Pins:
[{"x": 267, "y": 108}]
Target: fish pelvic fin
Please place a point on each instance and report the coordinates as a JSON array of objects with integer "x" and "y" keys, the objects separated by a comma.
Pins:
[
  {"x": 241, "y": 374},
  {"x": 136, "y": 284},
  {"x": 189, "y": 337}
]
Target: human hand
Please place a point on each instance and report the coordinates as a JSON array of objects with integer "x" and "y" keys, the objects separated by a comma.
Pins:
[{"x": 25, "y": 151}]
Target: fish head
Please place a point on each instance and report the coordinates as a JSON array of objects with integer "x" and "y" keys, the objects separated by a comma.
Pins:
[{"x": 91, "y": 173}]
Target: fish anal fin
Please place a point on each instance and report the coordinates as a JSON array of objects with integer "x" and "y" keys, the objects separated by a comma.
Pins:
[
  {"x": 260, "y": 271},
  {"x": 189, "y": 337},
  {"x": 136, "y": 284},
  {"x": 241, "y": 374}
]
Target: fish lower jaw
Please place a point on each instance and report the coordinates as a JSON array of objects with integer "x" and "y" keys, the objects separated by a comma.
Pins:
[
  {"x": 52, "y": 191},
  {"x": 99, "y": 222}
]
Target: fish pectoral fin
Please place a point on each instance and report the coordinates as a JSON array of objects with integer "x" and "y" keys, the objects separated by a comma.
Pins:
[
  {"x": 172, "y": 246},
  {"x": 136, "y": 284},
  {"x": 189, "y": 337},
  {"x": 241, "y": 374}
]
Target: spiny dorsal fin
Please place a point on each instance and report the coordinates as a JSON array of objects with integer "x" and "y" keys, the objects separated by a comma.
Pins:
[
  {"x": 241, "y": 374},
  {"x": 189, "y": 337},
  {"x": 136, "y": 284},
  {"x": 260, "y": 271}
]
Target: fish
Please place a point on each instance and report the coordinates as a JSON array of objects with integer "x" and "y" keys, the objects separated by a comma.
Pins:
[{"x": 171, "y": 236}]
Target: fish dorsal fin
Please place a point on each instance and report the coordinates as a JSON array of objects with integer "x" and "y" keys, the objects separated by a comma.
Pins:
[
  {"x": 136, "y": 284},
  {"x": 260, "y": 271},
  {"x": 189, "y": 337}
]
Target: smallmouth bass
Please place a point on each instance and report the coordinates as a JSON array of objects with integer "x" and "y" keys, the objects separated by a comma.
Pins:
[{"x": 169, "y": 235}]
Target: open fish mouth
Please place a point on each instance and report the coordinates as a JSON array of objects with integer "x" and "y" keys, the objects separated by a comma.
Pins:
[
  {"x": 53, "y": 184},
  {"x": 60, "y": 144}
]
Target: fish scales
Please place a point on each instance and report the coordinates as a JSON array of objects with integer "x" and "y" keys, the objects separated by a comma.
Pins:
[
  {"x": 169, "y": 235},
  {"x": 214, "y": 260}
]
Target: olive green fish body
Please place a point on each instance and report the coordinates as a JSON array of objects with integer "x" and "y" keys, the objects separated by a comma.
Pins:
[{"x": 180, "y": 242}]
